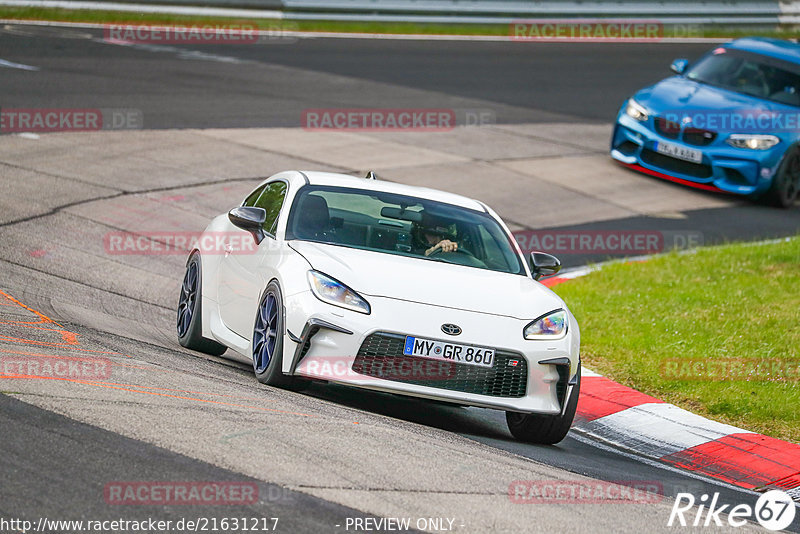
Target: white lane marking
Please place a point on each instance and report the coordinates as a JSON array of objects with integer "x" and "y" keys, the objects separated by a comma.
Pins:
[
  {"x": 578, "y": 272},
  {"x": 182, "y": 53},
  {"x": 52, "y": 32},
  {"x": 12, "y": 65},
  {"x": 657, "y": 429},
  {"x": 28, "y": 135},
  {"x": 586, "y": 372},
  {"x": 326, "y": 35}
]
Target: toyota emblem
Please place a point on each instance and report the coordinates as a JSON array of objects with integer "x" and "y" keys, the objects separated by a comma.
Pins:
[{"x": 451, "y": 329}]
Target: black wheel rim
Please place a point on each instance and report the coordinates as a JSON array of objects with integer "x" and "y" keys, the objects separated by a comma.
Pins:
[
  {"x": 791, "y": 185},
  {"x": 186, "y": 304},
  {"x": 265, "y": 335}
]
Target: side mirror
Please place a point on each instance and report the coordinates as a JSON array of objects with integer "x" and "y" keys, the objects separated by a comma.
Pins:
[
  {"x": 543, "y": 264},
  {"x": 250, "y": 219},
  {"x": 679, "y": 65}
]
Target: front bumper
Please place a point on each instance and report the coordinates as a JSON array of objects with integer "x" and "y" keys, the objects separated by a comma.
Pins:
[
  {"x": 358, "y": 351},
  {"x": 723, "y": 168}
]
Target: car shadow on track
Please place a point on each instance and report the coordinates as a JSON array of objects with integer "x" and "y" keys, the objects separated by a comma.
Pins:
[{"x": 469, "y": 421}]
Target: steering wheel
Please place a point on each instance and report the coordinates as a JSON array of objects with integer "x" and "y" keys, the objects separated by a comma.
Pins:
[
  {"x": 456, "y": 251},
  {"x": 464, "y": 258}
]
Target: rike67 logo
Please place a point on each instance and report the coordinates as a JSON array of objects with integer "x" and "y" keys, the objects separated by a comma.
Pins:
[{"x": 774, "y": 510}]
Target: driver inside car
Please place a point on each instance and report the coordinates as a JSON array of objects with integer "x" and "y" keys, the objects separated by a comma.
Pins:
[{"x": 433, "y": 234}]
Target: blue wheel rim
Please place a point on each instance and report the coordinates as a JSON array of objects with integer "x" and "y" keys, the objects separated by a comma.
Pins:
[
  {"x": 186, "y": 303},
  {"x": 265, "y": 335}
]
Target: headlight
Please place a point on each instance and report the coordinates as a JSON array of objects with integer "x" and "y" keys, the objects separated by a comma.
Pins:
[
  {"x": 334, "y": 292},
  {"x": 549, "y": 326},
  {"x": 636, "y": 111},
  {"x": 753, "y": 141}
]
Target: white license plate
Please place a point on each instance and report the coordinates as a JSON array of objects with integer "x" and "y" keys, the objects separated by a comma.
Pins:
[
  {"x": 453, "y": 352},
  {"x": 680, "y": 152}
]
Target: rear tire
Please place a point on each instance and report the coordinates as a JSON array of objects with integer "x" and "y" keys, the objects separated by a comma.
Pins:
[
  {"x": 785, "y": 186},
  {"x": 541, "y": 428},
  {"x": 267, "y": 347},
  {"x": 190, "y": 318}
]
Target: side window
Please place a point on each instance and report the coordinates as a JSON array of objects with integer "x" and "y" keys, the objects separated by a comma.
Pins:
[
  {"x": 271, "y": 199},
  {"x": 250, "y": 201}
]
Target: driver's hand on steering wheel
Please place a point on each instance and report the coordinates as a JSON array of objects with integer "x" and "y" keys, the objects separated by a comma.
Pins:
[{"x": 445, "y": 245}]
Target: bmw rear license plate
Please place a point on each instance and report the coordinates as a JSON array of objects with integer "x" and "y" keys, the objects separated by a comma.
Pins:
[
  {"x": 453, "y": 352},
  {"x": 680, "y": 152}
]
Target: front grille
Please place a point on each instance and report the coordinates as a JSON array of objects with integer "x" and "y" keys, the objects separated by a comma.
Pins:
[
  {"x": 667, "y": 128},
  {"x": 381, "y": 356},
  {"x": 698, "y": 170},
  {"x": 698, "y": 137}
]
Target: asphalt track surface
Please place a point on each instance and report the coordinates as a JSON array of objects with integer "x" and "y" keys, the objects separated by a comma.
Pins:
[
  {"x": 271, "y": 84},
  {"x": 167, "y": 414}
]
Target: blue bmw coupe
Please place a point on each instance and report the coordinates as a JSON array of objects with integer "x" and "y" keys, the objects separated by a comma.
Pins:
[{"x": 728, "y": 122}]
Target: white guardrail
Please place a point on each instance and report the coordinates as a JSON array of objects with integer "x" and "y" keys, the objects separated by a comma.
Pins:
[{"x": 722, "y": 12}]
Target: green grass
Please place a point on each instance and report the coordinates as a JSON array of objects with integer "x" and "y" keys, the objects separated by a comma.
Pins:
[
  {"x": 99, "y": 16},
  {"x": 733, "y": 302}
]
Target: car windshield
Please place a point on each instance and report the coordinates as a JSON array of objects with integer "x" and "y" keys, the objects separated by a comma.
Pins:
[
  {"x": 750, "y": 74},
  {"x": 401, "y": 225}
]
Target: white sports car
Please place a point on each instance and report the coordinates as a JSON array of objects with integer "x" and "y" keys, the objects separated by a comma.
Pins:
[{"x": 321, "y": 276}]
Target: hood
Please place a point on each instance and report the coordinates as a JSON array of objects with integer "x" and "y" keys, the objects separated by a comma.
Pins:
[
  {"x": 431, "y": 282},
  {"x": 682, "y": 94}
]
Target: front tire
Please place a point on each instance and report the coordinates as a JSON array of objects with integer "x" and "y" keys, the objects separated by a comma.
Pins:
[
  {"x": 267, "y": 348},
  {"x": 542, "y": 428},
  {"x": 785, "y": 187},
  {"x": 190, "y": 319}
]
